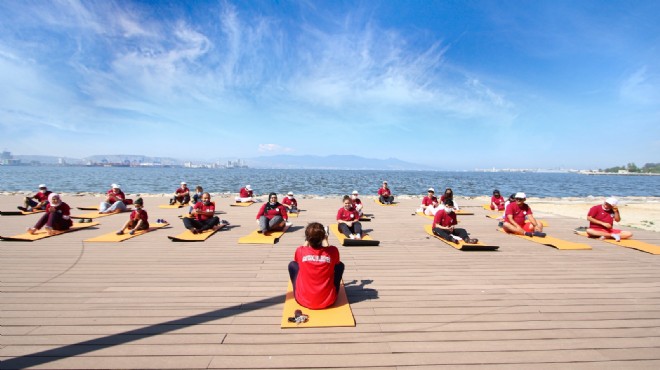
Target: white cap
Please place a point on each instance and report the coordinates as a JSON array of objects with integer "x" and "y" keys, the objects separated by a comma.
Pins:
[
  {"x": 355, "y": 192},
  {"x": 520, "y": 195},
  {"x": 431, "y": 190},
  {"x": 612, "y": 201},
  {"x": 289, "y": 193},
  {"x": 384, "y": 181},
  {"x": 248, "y": 187},
  {"x": 42, "y": 186},
  {"x": 183, "y": 183},
  {"x": 115, "y": 186}
]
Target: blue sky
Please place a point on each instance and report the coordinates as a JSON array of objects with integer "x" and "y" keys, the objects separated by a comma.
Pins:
[{"x": 450, "y": 84}]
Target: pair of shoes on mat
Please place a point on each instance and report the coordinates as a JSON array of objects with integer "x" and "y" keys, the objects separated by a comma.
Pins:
[
  {"x": 194, "y": 231},
  {"x": 224, "y": 222},
  {"x": 22, "y": 209},
  {"x": 120, "y": 232}
]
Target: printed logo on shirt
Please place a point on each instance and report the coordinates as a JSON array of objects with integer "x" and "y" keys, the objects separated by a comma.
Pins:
[{"x": 313, "y": 258}]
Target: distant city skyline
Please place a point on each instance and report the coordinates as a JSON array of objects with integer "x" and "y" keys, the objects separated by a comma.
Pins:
[{"x": 451, "y": 85}]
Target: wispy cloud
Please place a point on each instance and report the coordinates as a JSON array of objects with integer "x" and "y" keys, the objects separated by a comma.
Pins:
[
  {"x": 641, "y": 87},
  {"x": 274, "y": 148}
]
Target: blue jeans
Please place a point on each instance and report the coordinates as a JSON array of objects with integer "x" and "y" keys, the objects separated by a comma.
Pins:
[{"x": 116, "y": 206}]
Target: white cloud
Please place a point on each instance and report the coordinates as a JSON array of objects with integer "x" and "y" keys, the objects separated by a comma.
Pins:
[
  {"x": 641, "y": 87},
  {"x": 274, "y": 148}
]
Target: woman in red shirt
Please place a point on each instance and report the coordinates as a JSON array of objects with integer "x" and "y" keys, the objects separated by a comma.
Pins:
[
  {"x": 348, "y": 219},
  {"x": 56, "y": 218},
  {"x": 316, "y": 271}
]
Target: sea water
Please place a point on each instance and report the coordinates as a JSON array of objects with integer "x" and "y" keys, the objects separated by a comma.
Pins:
[{"x": 155, "y": 180}]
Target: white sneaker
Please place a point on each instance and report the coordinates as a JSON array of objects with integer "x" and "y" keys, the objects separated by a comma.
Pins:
[
  {"x": 352, "y": 236},
  {"x": 358, "y": 236},
  {"x": 616, "y": 237},
  {"x": 288, "y": 223}
]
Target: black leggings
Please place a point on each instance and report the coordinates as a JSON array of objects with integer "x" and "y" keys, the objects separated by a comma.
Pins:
[{"x": 446, "y": 235}]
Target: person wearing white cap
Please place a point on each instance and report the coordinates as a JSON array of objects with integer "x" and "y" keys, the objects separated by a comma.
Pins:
[
  {"x": 38, "y": 201},
  {"x": 181, "y": 194},
  {"x": 115, "y": 201},
  {"x": 290, "y": 203},
  {"x": 245, "y": 195},
  {"x": 357, "y": 203},
  {"x": 518, "y": 218},
  {"x": 385, "y": 194},
  {"x": 429, "y": 204},
  {"x": 601, "y": 221}
]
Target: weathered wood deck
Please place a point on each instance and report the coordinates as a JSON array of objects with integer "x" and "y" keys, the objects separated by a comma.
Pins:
[{"x": 418, "y": 303}]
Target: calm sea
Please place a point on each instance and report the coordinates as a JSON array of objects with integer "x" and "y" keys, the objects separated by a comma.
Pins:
[{"x": 323, "y": 182}]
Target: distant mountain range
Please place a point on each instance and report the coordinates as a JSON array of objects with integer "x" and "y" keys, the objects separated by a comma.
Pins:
[
  {"x": 351, "y": 162},
  {"x": 335, "y": 162}
]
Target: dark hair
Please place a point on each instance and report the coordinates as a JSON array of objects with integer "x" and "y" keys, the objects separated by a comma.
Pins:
[
  {"x": 450, "y": 191},
  {"x": 449, "y": 202},
  {"x": 496, "y": 191},
  {"x": 139, "y": 201},
  {"x": 206, "y": 193},
  {"x": 314, "y": 234},
  {"x": 512, "y": 196},
  {"x": 271, "y": 194},
  {"x": 346, "y": 197},
  {"x": 199, "y": 188}
]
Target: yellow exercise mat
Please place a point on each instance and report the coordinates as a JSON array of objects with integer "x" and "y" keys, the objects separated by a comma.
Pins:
[
  {"x": 424, "y": 215},
  {"x": 629, "y": 243},
  {"x": 366, "y": 241},
  {"x": 21, "y": 213},
  {"x": 94, "y": 215},
  {"x": 479, "y": 246},
  {"x": 553, "y": 242},
  {"x": 113, "y": 237},
  {"x": 294, "y": 214},
  {"x": 385, "y": 205},
  {"x": 41, "y": 234},
  {"x": 188, "y": 236},
  {"x": 255, "y": 237},
  {"x": 498, "y": 216},
  {"x": 339, "y": 314},
  {"x": 241, "y": 204},
  {"x": 173, "y": 206}
]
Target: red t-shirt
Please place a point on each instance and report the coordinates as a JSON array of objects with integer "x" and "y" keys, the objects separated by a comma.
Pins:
[
  {"x": 182, "y": 191},
  {"x": 42, "y": 197},
  {"x": 64, "y": 209},
  {"x": 430, "y": 201},
  {"x": 115, "y": 196},
  {"x": 290, "y": 202},
  {"x": 245, "y": 193},
  {"x": 601, "y": 215},
  {"x": 384, "y": 192},
  {"x": 498, "y": 201},
  {"x": 273, "y": 211},
  {"x": 315, "y": 286},
  {"x": 356, "y": 201},
  {"x": 444, "y": 219},
  {"x": 518, "y": 213},
  {"x": 348, "y": 214},
  {"x": 199, "y": 206},
  {"x": 137, "y": 215}
]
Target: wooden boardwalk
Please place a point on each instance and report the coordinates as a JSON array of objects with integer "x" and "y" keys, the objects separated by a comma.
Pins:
[{"x": 418, "y": 303}]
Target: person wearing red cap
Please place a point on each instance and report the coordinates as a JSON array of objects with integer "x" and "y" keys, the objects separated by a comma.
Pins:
[{"x": 601, "y": 221}]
